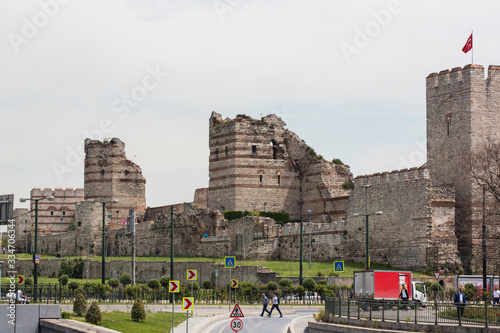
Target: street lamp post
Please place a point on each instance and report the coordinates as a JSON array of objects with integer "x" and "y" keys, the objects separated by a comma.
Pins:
[
  {"x": 366, "y": 215},
  {"x": 35, "y": 264},
  {"x": 483, "y": 185},
  {"x": 103, "y": 277},
  {"x": 309, "y": 212}
]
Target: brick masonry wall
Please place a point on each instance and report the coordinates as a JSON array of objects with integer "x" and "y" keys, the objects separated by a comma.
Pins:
[
  {"x": 411, "y": 221},
  {"x": 50, "y": 212},
  {"x": 110, "y": 175},
  {"x": 260, "y": 165}
]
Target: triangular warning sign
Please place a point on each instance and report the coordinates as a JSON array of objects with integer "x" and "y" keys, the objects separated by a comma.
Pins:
[
  {"x": 237, "y": 312},
  {"x": 339, "y": 267}
]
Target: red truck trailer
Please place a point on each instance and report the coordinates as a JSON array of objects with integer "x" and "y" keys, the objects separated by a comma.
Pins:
[{"x": 386, "y": 286}]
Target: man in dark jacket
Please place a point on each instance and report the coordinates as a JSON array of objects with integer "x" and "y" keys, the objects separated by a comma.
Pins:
[{"x": 460, "y": 302}]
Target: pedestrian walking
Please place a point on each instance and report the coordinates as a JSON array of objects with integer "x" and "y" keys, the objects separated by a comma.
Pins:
[
  {"x": 460, "y": 302},
  {"x": 264, "y": 300},
  {"x": 276, "y": 305}
]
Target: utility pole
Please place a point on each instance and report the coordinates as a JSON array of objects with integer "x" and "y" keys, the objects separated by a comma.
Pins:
[{"x": 172, "y": 250}]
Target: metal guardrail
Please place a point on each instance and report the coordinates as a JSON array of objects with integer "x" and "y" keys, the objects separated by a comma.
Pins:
[{"x": 414, "y": 312}]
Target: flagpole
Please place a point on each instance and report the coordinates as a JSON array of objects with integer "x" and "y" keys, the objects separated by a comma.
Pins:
[{"x": 472, "y": 49}]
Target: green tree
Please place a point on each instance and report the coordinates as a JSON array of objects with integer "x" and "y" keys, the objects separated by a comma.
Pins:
[
  {"x": 154, "y": 284},
  {"x": 138, "y": 311},
  {"x": 196, "y": 286},
  {"x": 63, "y": 280},
  {"x": 80, "y": 304},
  {"x": 4, "y": 242},
  {"x": 272, "y": 286},
  {"x": 94, "y": 315},
  {"x": 309, "y": 284},
  {"x": 113, "y": 282},
  {"x": 207, "y": 284},
  {"x": 164, "y": 280},
  {"x": 125, "y": 279},
  {"x": 73, "y": 285}
]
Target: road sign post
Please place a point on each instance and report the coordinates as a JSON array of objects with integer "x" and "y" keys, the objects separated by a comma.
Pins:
[
  {"x": 436, "y": 275},
  {"x": 338, "y": 267},
  {"x": 229, "y": 262},
  {"x": 173, "y": 287},
  {"x": 187, "y": 305},
  {"x": 20, "y": 279},
  {"x": 236, "y": 325},
  {"x": 192, "y": 275}
]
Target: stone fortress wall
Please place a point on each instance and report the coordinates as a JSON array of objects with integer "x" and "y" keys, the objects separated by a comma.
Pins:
[
  {"x": 110, "y": 175},
  {"x": 463, "y": 111},
  {"x": 416, "y": 216},
  {"x": 261, "y": 165},
  {"x": 430, "y": 213},
  {"x": 51, "y": 212}
]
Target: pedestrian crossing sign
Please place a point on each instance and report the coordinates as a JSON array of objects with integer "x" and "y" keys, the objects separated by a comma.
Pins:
[
  {"x": 338, "y": 266},
  {"x": 229, "y": 262},
  {"x": 237, "y": 313}
]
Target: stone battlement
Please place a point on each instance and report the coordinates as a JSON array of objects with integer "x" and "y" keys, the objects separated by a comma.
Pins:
[
  {"x": 463, "y": 76},
  {"x": 57, "y": 192},
  {"x": 395, "y": 176},
  {"x": 294, "y": 228}
]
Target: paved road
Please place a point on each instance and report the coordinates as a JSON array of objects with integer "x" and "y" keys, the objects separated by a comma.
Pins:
[{"x": 275, "y": 324}]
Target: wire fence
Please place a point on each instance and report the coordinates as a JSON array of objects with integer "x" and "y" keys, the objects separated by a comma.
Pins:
[{"x": 414, "y": 312}]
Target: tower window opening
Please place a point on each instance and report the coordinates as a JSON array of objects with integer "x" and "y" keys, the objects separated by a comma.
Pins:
[
  {"x": 279, "y": 179},
  {"x": 102, "y": 172},
  {"x": 260, "y": 179},
  {"x": 217, "y": 153},
  {"x": 227, "y": 152},
  {"x": 254, "y": 150}
]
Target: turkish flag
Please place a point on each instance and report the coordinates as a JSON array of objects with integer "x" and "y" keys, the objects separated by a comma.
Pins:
[{"x": 468, "y": 46}]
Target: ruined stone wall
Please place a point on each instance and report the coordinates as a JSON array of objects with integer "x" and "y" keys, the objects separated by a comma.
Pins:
[
  {"x": 147, "y": 270},
  {"x": 416, "y": 216},
  {"x": 51, "y": 212},
  {"x": 23, "y": 228},
  {"x": 325, "y": 239},
  {"x": 110, "y": 175},
  {"x": 201, "y": 197},
  {"x": 463, "y": 110},
  {"x": 260, "y": 165}
]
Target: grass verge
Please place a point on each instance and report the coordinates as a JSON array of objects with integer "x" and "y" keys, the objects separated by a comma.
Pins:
[{"x": 154, "y": 323}]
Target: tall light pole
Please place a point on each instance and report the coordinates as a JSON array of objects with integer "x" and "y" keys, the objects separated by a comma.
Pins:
[
  {"x": 483, "y": 185},
  {"x": 309, "y": 212},
  {"x": 35, "y": 264},
  {"x": 366, "y": 215},
  {"x": 103, "y": 278}
]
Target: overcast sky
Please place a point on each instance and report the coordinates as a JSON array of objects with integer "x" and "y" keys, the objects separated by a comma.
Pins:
[{"x": 347, "y": 76}]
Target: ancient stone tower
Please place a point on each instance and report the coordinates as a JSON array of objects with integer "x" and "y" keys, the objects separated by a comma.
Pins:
[
  {"x": 260, "y": 165},
  {"x": 463, "y": 110},
  {"x": 110, "y": 175}
]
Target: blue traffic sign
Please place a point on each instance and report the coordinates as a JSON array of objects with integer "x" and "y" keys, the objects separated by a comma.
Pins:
[
  {"x": 338, "y": 266},
  {"x": 229, "y": 262}
]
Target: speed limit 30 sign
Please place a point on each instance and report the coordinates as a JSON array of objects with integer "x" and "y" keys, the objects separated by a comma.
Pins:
[{"x": 236, "y": 324}]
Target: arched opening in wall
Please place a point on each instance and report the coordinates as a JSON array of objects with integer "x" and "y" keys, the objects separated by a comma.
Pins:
[
  {"x": 64, "y": 212},
  {"x": 102, "y": 172},
  {"x": 227, "y": 151},
  {"x": 216, "y": 153},
  {"x": 126, "y": 172}
]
